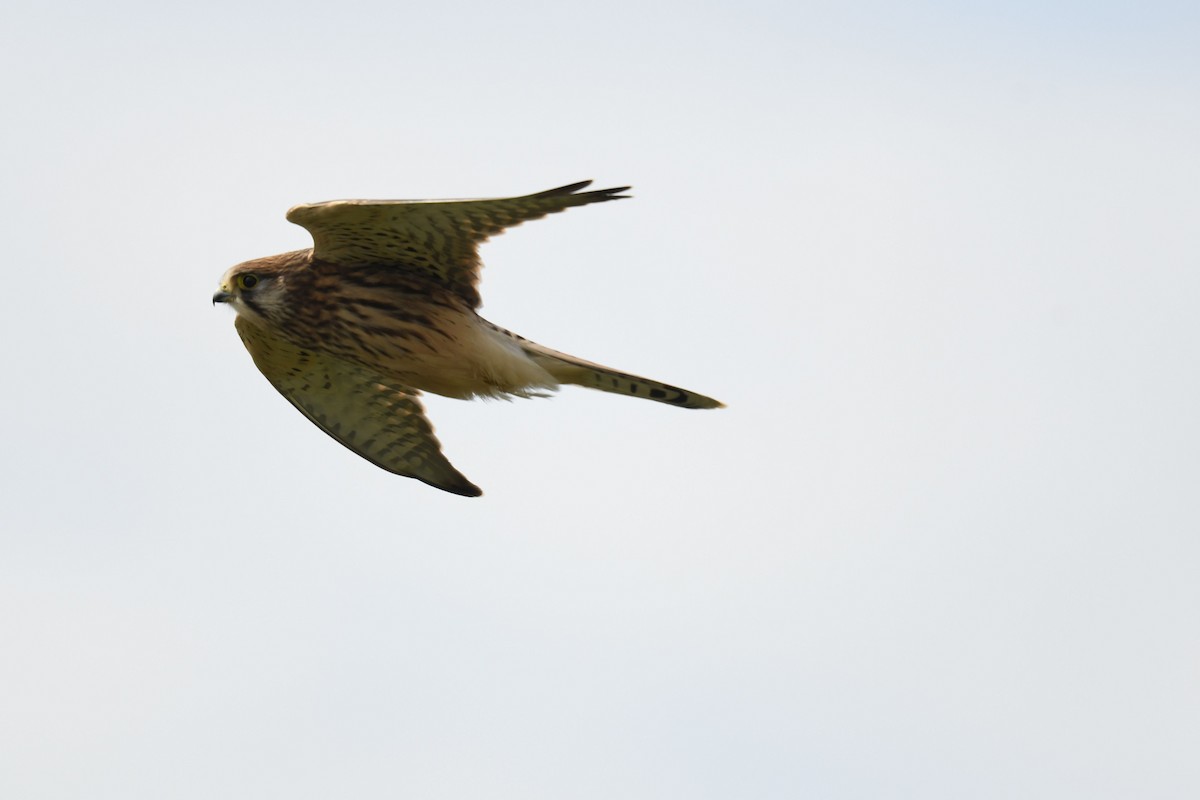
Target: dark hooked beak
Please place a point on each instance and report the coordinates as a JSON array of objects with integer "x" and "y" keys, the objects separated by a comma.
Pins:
[{"x": 222, "y": 297}]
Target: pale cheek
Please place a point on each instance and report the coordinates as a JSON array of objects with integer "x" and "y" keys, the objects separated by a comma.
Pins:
[
  {"x": 269, "y": 305},
  {"x": 244, "y": 310}
]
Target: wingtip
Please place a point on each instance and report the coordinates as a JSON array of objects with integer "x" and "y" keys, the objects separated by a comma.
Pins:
[
  {"x": 463, "y": 488},
  {"x": 571, "y": 188},
  {"x": 613, "y": 193},
  {"x": 574, "y": 189}
]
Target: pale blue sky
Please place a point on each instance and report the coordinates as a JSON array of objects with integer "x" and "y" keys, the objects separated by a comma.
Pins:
[{"x": 939, "y": 259}]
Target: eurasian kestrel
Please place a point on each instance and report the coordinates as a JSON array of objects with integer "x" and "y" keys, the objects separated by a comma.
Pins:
[{"x": 382, "y": 308}]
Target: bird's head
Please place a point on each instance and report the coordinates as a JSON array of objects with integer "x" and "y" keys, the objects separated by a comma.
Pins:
[{"x": 257, "y": 289}]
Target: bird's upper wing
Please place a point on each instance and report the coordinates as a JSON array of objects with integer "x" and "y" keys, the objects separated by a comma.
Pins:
[
  {"x": 367, "y": 412},
  {"x": 434, "y": 238}
]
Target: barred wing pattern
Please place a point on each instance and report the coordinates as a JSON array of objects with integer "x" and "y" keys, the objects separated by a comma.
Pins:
[
  {"x": 436, "y": 239},
  {"x": 365, "y": 411}
]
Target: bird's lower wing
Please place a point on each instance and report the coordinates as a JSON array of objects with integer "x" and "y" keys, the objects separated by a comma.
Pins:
[{"x": 365, "y": 411}]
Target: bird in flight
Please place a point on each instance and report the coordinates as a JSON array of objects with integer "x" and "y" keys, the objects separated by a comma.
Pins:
[{"x": 383, "y": 307}]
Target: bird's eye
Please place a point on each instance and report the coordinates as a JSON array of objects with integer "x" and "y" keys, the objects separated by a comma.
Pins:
[{"x": 247, "y": 281}]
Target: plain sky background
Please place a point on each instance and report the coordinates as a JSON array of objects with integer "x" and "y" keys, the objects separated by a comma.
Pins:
[{"x": 939, "y": 259}]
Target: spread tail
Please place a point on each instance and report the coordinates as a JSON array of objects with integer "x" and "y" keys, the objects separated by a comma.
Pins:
[{"x": 569, "y": 369}]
